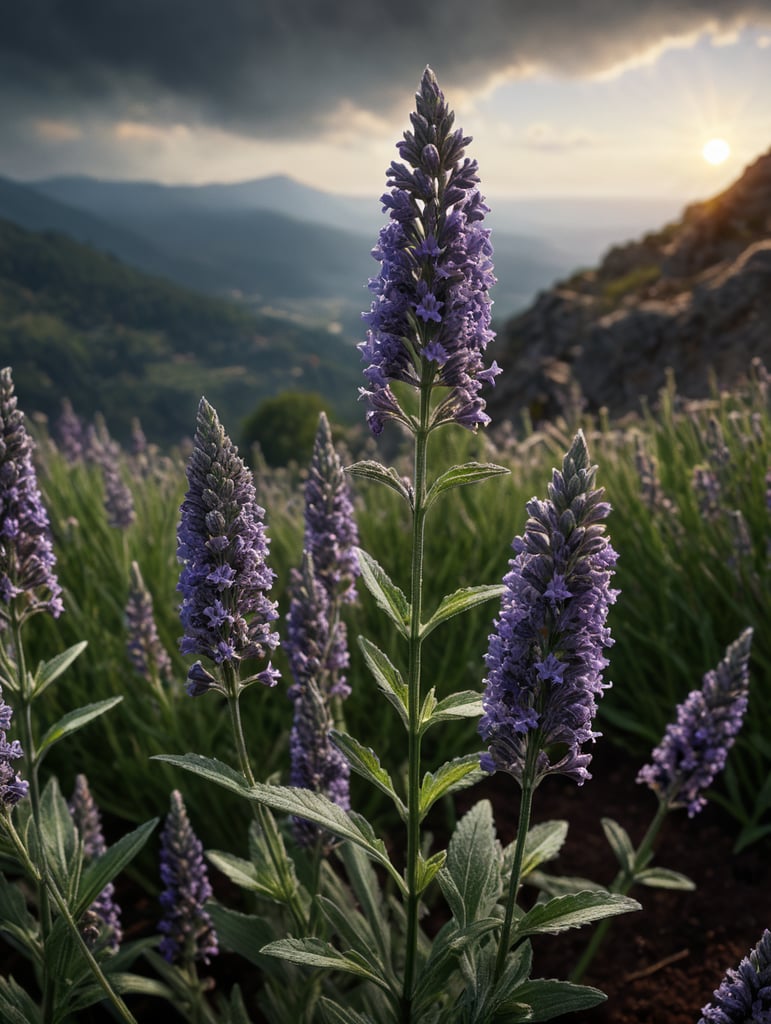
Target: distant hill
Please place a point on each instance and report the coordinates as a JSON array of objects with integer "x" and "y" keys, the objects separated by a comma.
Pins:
[
  {"x": 79, "y": 323},
  {"x": 279, "y": 242},
  {"x": 694, "y": 296}
]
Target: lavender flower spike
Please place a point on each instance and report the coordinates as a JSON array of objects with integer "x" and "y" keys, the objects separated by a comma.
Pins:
[
  {"x": 145, "y": 650},
  {"x": 104, "y": 911},
  {"x": 330, "y": 528},
  {"x": 430, "y": 318},
  {"x": 12, "y": 787},
  {"x": 187, "y": 930},
  {"x": 223, "y": 548},
  {"x": 316, "y": 650},
  {"x": 695, "y": 747},
  {"x": 744, "y": 994},
  {"x": 545, "y": 659},
  {"x": 26, "y": 552}
]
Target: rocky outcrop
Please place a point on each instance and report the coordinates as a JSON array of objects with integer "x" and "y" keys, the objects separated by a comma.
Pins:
[{"x": 694, "y": 297}]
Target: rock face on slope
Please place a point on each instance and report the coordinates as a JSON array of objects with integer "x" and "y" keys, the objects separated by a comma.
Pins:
[{"x": 694, "y": 297}]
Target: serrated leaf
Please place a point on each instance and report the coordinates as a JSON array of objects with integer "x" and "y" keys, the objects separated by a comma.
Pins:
[
  {"x": 387, "y": 677},
  {"x": 312, "y": 952},
  {"x": 561, "y": 885},
  {"x": 461, "y": 476},
  {"x": 48, "y": 671},
  {"x": 465, "y": 704},
  {"x": 72, "y": 722},
  {"x": 427, "y": 869},
  {"x": 365, "y": 762},
  {"x": 387, "y": 595},
  {"x": 461, "y": 601},
  {"x": 366, "y": 888},
  {"x": 450, "y": 943},
  {"x": 548, "y": 998},
  {"x": 427, "y": 710},
  {"x": 471, "y": 877},
  {"x": 543, "y": 842},
  {"x": 368, "y": 469},
  {"x": 460, "y": 773},
  {"x": 291, "y": 800},
  {"x": 664, "y": 878},
  {"x": 16, "y": 1005},
  {"x": 572, "y": 911},
  {"x": 110, "y": 864},
  {"x": 620, "y": 843}
]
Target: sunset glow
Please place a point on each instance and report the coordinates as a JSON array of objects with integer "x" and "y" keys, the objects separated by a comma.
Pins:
[{"x": 716, "y": 151}]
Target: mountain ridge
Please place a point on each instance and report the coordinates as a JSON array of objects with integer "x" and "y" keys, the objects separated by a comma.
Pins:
[{"x": 693, "y": 297}]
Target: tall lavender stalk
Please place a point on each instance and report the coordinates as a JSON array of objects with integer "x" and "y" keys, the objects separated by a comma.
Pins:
[
  {"x": 145, "y": 650},
  {"x": 545, "y": 659},
  {"x": 429, "y": 326}
]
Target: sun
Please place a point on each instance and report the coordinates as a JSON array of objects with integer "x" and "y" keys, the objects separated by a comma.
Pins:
[{"x": 716, "y": 151}]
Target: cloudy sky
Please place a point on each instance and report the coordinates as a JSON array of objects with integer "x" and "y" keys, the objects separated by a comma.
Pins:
[{"x": 587, "y": 97}]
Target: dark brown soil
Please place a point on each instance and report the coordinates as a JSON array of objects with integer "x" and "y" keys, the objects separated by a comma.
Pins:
[{"x": 659, "y": 965}]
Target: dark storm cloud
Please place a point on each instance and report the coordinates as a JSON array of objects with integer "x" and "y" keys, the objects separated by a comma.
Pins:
[{"x": 276, "y": 68}]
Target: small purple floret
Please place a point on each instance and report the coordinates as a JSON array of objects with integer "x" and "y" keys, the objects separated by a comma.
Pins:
[
  {"x": 545, "y": 659},
  {"x": 223, "y": 546},
  {"x": 187, "y": 930},
  {"x": 432, "y": 292},
  {"x": 27, "y": 578},
  {"x": 695, "y": 747},
  {"x": 744, "y": 994}
]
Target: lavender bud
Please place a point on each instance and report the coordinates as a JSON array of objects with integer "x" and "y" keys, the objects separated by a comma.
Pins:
[
  {"x": 330, "y": 528},
  {"x": 695, "y": 747},
  {"x": 744, "y": 994},
  {"x": 103, "y": 916},
  {"x": 105, "y": 452},
  {"x": 436, "y": 273},
  {"x": 145, "y": 650},
  {"x": 545, "y": 659},
  {"x": 27, "y": 558},
  {"x": 223, "y": 546},
  {"x": 70, "y": 431},
  {"x": 187, "y": 930}
]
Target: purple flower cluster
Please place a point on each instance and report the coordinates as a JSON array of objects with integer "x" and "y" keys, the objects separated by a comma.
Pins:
[
  {"x": 430, "y": 318},
  {"x": 223, "y": 546},
  {"x": 744, "y": 994},
  {"x": 71, "y": 433},
  {"x": 26, "y": 552},
  {"x": 317, "y": 654},
  {"x": 12, "y": 787},
  {"x": 695, "y": 747},
  {"x": 104, "y": 911},
  {"x": 145, "y": 650},
  {"x": 330, "y": 528},
  {"x": 105, "y": 452},
  {"x": 545, "y": 659},
  {"x": 187, "y": 930}
]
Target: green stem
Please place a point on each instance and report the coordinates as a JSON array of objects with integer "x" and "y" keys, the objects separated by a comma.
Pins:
[
  {"x": 265, "y": 819},
  {"x": 622, "y": 883},
  {"x": 414, "y": 699},
  {"x": 525, "y": 809}
]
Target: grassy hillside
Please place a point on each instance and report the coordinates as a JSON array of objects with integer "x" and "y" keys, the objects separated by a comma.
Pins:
[{"x": 77, "y": 322}]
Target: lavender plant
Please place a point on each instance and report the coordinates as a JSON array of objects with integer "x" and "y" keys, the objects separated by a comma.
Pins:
[
  {"x": 429, "y": 326},
  {"x": 691, "y": 754},
  {"x": 44, "y": 849}
]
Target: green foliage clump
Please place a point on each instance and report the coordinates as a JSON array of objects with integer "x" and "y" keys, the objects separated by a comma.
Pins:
[
  {"x": 284, "y": 427},
  {"x": 635, "y": 281}
]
